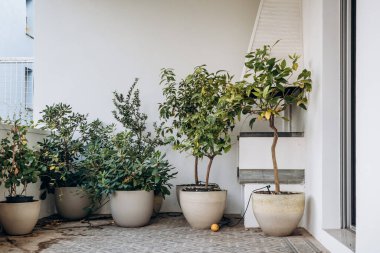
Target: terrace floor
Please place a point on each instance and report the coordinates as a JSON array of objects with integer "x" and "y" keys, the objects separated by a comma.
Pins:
[{"x": 166, "y": 233}]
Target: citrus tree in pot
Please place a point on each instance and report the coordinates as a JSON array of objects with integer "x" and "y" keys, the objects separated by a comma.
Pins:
[
  {"x": 204, "y": 131},
  {"x": 178, "y": 105},
  {"x": 19, "y": 167},
  {"x": 60, "y": 154},
  {"x": 138, "y": 170},
  {"x": 268, "y": 89}
]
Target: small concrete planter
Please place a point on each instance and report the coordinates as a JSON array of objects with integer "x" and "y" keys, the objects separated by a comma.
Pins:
[
  {"x": 201, "y": 209},
  {"x": 72, "y": 202},
  {"x": 278, "y": 215},
  {"x": 19, "y": 218},
  {"x": 132, "y": 208}
]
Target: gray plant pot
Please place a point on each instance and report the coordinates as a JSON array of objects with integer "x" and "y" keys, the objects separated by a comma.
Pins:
[
  {"x": 132, "y": 208},
  {"x": 72, "y": 202}
]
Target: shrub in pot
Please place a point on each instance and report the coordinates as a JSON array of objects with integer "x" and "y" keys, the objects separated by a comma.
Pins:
[
  {"x": 19, "y": 167},
  {"x": 96, "y": 158},
  {"x": 174, "y": 111},
  {"x": 137, "y": 170},
  {"x": 268, "y": 89},
  {"x": 204, "y": 131},
  {"x": 60, "y": 154}
]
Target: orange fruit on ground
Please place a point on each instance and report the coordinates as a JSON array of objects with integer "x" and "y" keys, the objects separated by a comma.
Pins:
[{"x": 215, "y": 227}]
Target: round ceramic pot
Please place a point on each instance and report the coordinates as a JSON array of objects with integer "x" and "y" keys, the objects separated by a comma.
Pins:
[
  {"x": 132, "y": 208},
  {"x": 179, "y": 187},
  {"x": 72, "y": 202},
  {"x": 203, "y": 208},
  {"x": 157, "y": 203},
  {"x": 278, "y": 214},
  {"x": 19, "y": 218}
]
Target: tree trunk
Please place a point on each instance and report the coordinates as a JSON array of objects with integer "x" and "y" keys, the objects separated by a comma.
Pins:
[
  {"x": 208, "y": 170},
  {"x": 196, "y": 171},
  {"x": 274, "y": 160}
]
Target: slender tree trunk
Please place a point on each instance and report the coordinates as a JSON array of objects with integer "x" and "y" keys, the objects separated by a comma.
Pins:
[
  {"x": 208, "y": 170},
  {"x": 196, "y": 171},
  {"x": 274, "y": 160}
]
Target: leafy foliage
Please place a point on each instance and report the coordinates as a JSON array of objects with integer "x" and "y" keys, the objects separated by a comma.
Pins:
[
  {"x": 268, "y": 88},
  {"x": 60, "y": 151},
  {"x": 128, "y": 113},
  {"x": 195, "y": 120},
  {"x": 19, "y": 164}
]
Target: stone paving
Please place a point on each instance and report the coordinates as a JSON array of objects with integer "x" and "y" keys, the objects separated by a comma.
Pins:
[{"x": 166, "y": 233}]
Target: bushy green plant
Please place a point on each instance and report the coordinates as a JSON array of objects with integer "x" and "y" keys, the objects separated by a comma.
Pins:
[
  {"x": 195, "y": 120},
  {"x": 268, "y": 89},
  {"x": 61, "y": 150},
  {"x": 96, "y": 157},
  {"x": 19, "y": 164},
  {"x": 134, "y": 161},
  {"x": 128, "y": 173},
  {"x": 128, "y": 113}
]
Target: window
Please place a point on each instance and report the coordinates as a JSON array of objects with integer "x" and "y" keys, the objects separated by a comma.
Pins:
[
  {"x": 29, "y": 24},
  {"x": 348, "y": 99}
]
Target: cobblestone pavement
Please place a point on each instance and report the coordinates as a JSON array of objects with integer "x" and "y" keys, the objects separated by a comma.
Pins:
[{"x": 164, "y": 234}]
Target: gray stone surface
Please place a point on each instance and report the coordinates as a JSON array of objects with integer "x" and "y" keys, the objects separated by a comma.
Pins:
[{"x": 164, "y": 234}]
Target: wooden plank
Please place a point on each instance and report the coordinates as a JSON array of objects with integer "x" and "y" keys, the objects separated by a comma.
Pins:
[{"x": 265, "y": 176}]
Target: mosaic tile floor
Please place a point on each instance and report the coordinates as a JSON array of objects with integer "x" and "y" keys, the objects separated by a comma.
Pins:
[{"x": 165, "y": 234}]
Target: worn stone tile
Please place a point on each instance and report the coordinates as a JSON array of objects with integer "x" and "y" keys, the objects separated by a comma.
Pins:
[{"x": 165, "y": 234}]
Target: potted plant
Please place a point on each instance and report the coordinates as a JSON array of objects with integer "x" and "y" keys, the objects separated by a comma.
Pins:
[
  {"x": 203, "y": 129},
  {"x": 19, "y": 167},
  {"x": 137, "y": 170},
  {"x": 176, "y": 108},
  {"x": 60, "y": 154},
  {"x": 96, "y": 158},
  {"x": 268, "y": 89}
]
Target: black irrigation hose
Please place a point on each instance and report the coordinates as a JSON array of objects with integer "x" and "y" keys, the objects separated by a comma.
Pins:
[{"x": 227, "y": 221}]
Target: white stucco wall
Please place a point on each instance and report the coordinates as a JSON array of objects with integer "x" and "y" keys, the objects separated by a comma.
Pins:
[
  {"x": 368, "y": 90},
  {"x": 87, "y": 49},
  {"x": 322, "y": 136}
]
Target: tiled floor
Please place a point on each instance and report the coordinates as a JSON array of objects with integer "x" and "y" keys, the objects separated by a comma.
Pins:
[{"x": 164, "y": 234}]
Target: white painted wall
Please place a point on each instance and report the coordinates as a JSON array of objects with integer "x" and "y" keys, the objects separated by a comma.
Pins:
[
  {"x": 321, "y": 46},
  {"x": 368, "y": 90},
  {"x": 86, "y": 49}
]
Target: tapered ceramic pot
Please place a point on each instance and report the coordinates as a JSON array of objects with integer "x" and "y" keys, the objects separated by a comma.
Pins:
[
  {"x": 203, "y": 208},
  {"x": 132, "y": 208},
  {"x": 157, "y": 203},
  {"x": 278, "y": 214},
  {"x": 19, "y": 218},
  {"x": 72, "y": 202}
]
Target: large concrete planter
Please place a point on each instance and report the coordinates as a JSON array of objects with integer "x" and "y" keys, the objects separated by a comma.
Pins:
[
  {"x": 201, "y": 209},
  {"x": 19, "y": 218},
  {"x": 132, "y": 208},
  {"x": 72, "y": 202},
  {"x": 278, "y": 215}
]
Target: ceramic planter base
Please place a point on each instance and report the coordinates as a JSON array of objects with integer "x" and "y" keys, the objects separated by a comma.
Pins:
[
  {"x": 201, "y": 209},
  {"x": 19, "y": 218},
  {"x": 278, "y": 215},
  {"x": 72, "y": 202},
  {"x": 132, "y": 208}
]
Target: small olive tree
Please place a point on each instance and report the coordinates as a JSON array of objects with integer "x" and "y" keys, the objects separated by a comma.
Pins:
[
  {"x": 268, "y": 89},
  {"x": 195, "y": 120}
]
